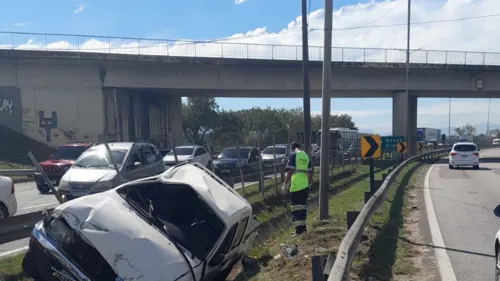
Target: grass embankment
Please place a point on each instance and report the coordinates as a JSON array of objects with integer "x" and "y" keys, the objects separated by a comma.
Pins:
[
  {"x": 384, "y": 255},
  {"x": 322, "y": 237},
  {"x": 269, "y": 210}
]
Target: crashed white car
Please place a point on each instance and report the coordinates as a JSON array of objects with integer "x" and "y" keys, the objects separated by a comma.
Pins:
[{"x": 185, "y": 224}]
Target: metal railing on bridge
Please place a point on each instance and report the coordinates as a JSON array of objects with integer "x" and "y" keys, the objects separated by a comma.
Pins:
[{"x": 224, "y": 49}]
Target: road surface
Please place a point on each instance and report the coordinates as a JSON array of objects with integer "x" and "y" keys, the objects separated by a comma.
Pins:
[{"x": 463, "y": 201}]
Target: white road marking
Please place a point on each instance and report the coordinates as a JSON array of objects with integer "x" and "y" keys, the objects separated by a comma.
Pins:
[
  {"x": 443, "y": 260},
  {"x": 13, "y": 252}
]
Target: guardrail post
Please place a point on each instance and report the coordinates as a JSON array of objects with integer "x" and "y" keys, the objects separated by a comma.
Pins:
[
  {"x": 372, "y": 176},
  {"x": 351, "y": 218},
  {"x": 368, "y": 195}
]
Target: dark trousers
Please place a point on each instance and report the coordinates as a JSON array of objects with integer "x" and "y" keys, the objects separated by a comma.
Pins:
[{"x": 298, "y": 202}]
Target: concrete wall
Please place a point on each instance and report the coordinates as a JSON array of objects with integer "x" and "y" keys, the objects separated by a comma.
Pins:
[{"x": 56, "y": 105}]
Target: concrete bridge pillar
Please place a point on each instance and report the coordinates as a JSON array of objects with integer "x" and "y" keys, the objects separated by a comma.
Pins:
[{"x": 404, "y": 119}]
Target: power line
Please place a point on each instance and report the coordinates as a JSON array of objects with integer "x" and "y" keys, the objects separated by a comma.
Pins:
[{"x": 364, "y": 26}]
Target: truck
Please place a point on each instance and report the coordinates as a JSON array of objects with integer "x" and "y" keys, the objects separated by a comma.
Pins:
[{"x": 428, "y": 134}]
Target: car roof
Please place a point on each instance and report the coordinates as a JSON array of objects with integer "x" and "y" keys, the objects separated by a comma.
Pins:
[
  {"x": 241, "y": 147},
  {"x": 76, "y": 144},
  {"x": 227, "y": 202},
  {"x": 118, "y": 145},
  {"x": 466, "y": 143}
]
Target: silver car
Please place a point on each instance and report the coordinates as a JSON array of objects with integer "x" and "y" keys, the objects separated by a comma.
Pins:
[{"x": 93, "y": 171}]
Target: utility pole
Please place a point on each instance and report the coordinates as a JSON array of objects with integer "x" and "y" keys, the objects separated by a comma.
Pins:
[
  {"x": 407, "y": 95},
  {"x": 324, "y": 179},
  {"x": 305, "y": 73},
  {"x": 488, "y": 121},
  {"x": 449, "y": 121}
]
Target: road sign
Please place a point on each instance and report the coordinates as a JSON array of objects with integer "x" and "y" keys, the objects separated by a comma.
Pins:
[
  {"x": 401, "y": 146},
  {"x": 389, "y": 143},
  {"x": 370, "y": 146},
  {"x": 420, "y": 146}
]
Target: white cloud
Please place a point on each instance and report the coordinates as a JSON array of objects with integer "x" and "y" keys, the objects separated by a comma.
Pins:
[
  {"x": 237, "y": 2},
  {"x": 358, "y": 113},
  {"x": 80, "y": 9},
  {"x": 21, "y": 24}
]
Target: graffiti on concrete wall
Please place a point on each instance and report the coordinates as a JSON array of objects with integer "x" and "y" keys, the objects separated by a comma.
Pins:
[
  {"x": 11, "y": 108},
  {"x": 28, "y": 121},
  {"x": 47, "y": 123}
]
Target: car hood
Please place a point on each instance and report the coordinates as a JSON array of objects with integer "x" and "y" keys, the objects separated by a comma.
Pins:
[
  {"x": 76, "y": 174},
  {"x": 227, "y": 161},
  {"x": 271, "y": 156},
  {"x": 171, "y": 158},
  {"x": 133, "y": 248},
  {"x": 61, "y": 162}
]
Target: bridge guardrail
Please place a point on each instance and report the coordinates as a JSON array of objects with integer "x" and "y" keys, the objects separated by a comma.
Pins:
[
  {"x": 223, "y": 49},
  {"x": 17, "y": 172},
  {"x": 341, "y": 267}
]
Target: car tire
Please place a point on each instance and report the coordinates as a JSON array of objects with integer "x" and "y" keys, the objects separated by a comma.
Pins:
[
  {"x": 209, "y": 164},
  {"x": 44, "y": 189},
  {"x": 497, "y": 265},
  {"x": 3, "y": 211},
  {"x": 476, "y": 167},
  {"x": 451, "y": 167}
]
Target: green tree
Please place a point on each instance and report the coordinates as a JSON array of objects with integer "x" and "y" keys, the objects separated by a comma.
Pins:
[
  {"x": 229, "y": 129},
  {"x": 465, "y": 130},
  {"x": 199, "y": 117}
]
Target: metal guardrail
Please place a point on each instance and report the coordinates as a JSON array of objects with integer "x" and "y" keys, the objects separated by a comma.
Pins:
[
  {"x": 17, "y": 172},
  {"x": 348, "y": 247},
  {"x": 223, "y": 49}
]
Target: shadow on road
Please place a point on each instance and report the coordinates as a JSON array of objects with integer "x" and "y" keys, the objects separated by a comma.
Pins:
[
  {"x": 382, "y": 252},
  {"x": 446, "y": 248}
]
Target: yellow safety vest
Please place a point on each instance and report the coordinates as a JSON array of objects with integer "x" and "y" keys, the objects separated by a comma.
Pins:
[{"x": 299, "y": 177}]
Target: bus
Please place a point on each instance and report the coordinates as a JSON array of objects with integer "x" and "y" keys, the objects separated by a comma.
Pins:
[{"x": 342, "y": 139}]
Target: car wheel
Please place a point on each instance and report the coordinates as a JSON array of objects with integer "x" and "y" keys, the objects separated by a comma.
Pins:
[
  {"x": 44, "y": 189},
  {"x": 497, "y": 266},
  {"x": 451, "y": 167},
  {"x": 476, "y": 167},
  {"x": 3, "y": 211},
  {"x": 209, "y": 164}
]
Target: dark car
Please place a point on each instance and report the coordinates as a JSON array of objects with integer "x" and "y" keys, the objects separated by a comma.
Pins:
[
  {"x": 55, "y": 167},
  {"x": 230, "y": 161}
]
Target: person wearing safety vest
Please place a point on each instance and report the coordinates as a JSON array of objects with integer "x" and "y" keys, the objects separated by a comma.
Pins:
[{"x": 299, "y": 177}]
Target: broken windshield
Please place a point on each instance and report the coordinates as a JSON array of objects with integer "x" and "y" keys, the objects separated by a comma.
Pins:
[{"x": 183, "y": 215}]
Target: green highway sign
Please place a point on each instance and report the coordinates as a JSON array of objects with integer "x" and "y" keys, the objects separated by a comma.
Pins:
[{"x": 390, "y": 142}]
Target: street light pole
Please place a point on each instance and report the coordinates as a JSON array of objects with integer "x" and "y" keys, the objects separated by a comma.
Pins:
[
  {"x": 324, "y": 180},
  {"x": 407, "y": 96},
  {"x": 305, "y": 73}
]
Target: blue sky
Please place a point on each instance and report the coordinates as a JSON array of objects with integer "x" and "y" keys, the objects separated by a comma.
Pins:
[{"x": 213, "y": 19}]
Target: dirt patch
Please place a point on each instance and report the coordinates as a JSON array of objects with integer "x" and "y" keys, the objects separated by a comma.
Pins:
[{"x": 417, "y": 234}]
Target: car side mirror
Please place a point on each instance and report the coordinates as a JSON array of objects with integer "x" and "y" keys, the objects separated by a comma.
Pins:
[
  {"x": 137, "y": 164},
  {"x": 496, "y": 211},
  {"x": 217, "y": 260}
]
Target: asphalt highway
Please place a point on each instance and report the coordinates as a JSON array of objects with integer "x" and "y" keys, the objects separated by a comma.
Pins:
[{"x": 463, "y": 201}]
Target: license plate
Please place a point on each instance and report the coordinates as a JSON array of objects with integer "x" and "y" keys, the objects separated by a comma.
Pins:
[
  {"x": 225, "y": 171},
  {"x": 78, "y": 193},
  {"x": 464, "y": 156}
]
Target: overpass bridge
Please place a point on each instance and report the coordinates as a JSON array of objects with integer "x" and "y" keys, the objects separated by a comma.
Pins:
[{"x": 127, "y": 87}]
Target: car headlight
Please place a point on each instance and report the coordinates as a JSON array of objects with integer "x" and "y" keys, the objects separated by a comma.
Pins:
[
  {"x": 103, "y": 185},
  {"x": 63, "y": 185}
]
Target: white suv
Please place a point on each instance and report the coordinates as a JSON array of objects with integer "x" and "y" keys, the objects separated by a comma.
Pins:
[{"x": 464, "y": 154}]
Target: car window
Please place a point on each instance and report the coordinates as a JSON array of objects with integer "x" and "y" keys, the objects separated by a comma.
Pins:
[
  {"x": 68, "y": 152},
  {"x": 182, "y": 151},
  {"x": 240, "y": 231},
  {"x": 97, "y": 158},
  {"x": 465, "y": 147},
  {"x": 149, "y": 154},
  {"x": 228, "y": 241},
  {"x": 136, "y": 156},
  {"x": 200, "y": 151}
]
